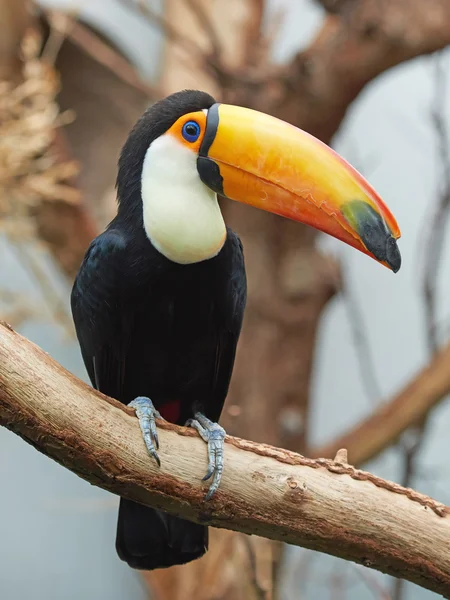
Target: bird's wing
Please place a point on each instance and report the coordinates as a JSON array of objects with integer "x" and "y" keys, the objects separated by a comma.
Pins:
[
  {"x": 96, "y": 300},
  {"x": 235, "y": 296}
]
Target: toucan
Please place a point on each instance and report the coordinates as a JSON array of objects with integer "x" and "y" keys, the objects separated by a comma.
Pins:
[{"x": 159, "y": 299}]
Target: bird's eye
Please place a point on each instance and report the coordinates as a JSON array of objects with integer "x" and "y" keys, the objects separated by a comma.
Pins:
[{"x": 191, "y": 131}]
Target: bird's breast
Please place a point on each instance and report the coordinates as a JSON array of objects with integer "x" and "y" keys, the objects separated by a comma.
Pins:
[{"x": 176, "y": 326}]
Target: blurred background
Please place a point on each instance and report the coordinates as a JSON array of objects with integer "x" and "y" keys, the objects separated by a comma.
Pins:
[{"x": 336, "y": 351}]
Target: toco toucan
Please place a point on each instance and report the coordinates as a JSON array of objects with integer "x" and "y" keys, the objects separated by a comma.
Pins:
[{"x": 159, "y": 299}]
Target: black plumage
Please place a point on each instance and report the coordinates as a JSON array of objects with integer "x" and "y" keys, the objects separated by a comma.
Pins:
[{"x": 150, "y": 327}]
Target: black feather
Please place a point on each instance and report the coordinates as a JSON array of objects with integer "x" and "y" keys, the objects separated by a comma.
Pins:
[{"x": 150, "y": 327}]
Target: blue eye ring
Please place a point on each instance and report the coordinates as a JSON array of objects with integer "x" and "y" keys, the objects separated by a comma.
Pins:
[{"x": 191, "y": 131}]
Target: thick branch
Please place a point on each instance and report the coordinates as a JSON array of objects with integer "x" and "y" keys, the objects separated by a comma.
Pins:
[
  {"x": 318, "y": 504},
  {"x": 384, "y": 427}
]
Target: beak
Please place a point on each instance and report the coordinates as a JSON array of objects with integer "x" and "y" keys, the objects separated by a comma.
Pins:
[{"x": 259, "y": 160}]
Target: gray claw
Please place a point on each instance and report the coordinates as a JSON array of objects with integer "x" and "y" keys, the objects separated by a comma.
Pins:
[
  {"x": 214, "y": 435},
  {"x": 146, "y": 414}
]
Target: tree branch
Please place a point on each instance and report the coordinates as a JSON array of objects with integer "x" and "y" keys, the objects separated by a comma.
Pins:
[
  {"x": 385, "y": 425},
  {"x": 90, "y": 43},
  {"x": 366, "y": 39},
  {"x": 319, "y": 504}
]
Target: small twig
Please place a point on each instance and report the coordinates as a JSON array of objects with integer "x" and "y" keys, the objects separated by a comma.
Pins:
[
  {"x": 361, "y": 344},
  {"x": 341, "y": 456},
  {"x": 260, "y": 592},
  {"x": 59, "y": 24}
]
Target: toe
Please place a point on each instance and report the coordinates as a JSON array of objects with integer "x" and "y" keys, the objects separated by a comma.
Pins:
[
  {"x": 156, "y": 457},
  {"x": 214, "y": 435},
  {"x": 146, "y": 414},
  {"x": 215, "y": 484},
  {"x": 209, "y": 472},
  {"x": 154, "y": 433}
]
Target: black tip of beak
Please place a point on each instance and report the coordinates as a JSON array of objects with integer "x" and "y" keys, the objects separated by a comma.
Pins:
[
  {"x": 374, "y": 233},
  {"x": 393, "y": 256}
]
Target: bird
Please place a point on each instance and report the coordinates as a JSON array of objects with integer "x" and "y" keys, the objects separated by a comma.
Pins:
[{"x": 159, "y": 299}]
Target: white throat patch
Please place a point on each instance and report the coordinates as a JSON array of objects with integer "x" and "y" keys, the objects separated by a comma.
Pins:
[{"x": 182, "y": 217}]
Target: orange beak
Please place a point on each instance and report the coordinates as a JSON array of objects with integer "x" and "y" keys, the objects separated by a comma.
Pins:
[{"x": 259, "y": 160}]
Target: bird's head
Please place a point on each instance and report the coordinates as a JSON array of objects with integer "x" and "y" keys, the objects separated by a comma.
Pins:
[{"x": 187, "y": 148}]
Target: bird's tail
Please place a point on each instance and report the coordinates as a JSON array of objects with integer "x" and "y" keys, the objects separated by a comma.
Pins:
[{"x": 150, "y": 539}]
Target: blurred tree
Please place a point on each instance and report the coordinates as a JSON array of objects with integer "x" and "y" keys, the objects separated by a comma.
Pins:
[
  {"x": 64, "y": 226},
  {"x": 226, "y": 49}
]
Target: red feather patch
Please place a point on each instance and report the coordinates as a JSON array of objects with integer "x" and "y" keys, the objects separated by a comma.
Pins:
[{"x": 170, "y": 411}]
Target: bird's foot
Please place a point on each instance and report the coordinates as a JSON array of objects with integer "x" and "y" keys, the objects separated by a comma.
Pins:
[
  {"x": 214, "y": 435},
  {"x": 146, "y": 414}
]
